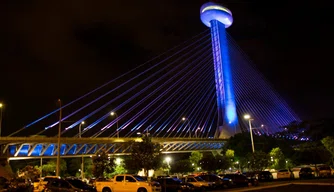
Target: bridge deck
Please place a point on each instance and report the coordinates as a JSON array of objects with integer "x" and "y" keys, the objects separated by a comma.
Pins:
[{"x": 46, "y": 147}]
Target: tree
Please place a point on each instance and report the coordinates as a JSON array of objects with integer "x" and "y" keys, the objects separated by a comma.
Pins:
[
  {"x": 102, "y": 164},
  {"x": 312, "y": 152},
  {"x": 222, "y": 162},
  {"x": 144, "y": 155},
  {"x": 88, "y": 167},
  {"x": 30, "y": 172},
  {"x": 239, "y": 143},
  {"x": 257, "y": 161},
  {"x": 182, "y": 166},
  {"x": 229, "y": 154},
  {"x": 209, "y": 163},
  {"x": 328, "y": 142},
  {"x": 50, "y": 167},
  {"x": 73, "y": 166},
  {"x": 277, "y": 158},
  {"x": 195, "y": 157},
  {"x": 119, "y": 167}
]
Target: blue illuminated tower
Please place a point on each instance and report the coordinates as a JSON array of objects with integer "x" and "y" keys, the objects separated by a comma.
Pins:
[{"x": 218, "y": 17}]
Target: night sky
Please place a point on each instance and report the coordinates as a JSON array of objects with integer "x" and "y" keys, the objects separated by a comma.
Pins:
[{"x": 63, "y": 49}]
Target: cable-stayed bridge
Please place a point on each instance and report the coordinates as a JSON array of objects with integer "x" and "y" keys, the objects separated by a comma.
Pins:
[{"x": 172, "y": 97}]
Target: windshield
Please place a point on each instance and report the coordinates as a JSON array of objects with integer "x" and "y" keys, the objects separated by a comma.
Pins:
[{"x": 139, "y": 178}]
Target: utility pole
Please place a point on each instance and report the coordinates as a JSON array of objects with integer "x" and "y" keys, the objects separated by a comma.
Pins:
[
  {"x": 59, "y": 131},
  {"x": 82, "y": 157},
  {"x": 251, "y": 133},
  {"x": 1, "y": 106}
]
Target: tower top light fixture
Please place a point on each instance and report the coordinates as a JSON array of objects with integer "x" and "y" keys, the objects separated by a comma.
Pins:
[{"x": 213, "y": 11}]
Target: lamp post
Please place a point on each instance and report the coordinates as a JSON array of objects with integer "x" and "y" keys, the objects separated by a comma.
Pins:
[
  {"x": 59, "y": 133},
  {"x": 80, "y": 132},
  {"x": 115, "y": 114},
  {"x": 196, "y": 132},
  {"x": 168, "y": 159},
  {"x": 1, "y": 106},
  {"x": 82, "y": 157},
  {"x": 250, "y": 130},
  {"x": 186, "y": 119},
  {"x": 238, "y": 166}
]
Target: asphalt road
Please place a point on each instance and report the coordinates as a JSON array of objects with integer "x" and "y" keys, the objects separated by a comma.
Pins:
[
  {"x": 319, "y": 185},
  {"x": 296, "y": 188}
]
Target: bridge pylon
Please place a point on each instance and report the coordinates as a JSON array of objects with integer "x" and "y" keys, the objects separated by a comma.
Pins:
[{"x": 218, "y": 17}]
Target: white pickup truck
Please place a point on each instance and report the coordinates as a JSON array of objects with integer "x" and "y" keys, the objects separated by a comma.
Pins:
[{"x": 127, "y": 183}]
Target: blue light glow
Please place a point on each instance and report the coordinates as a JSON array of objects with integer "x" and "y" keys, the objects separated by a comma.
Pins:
[
  {"x": 218, "y": 18},
  {"x": 224, "y": 84}
]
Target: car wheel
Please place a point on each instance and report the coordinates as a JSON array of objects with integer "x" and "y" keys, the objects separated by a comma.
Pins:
[
  {"x": 141, "y": 190},
  {"x": 106, "y": 190}
]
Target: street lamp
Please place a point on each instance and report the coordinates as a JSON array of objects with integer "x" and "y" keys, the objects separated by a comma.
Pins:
[
  {"x": 58, "y": 143},
  {"x": 118, "y": 161},
  {"x": 1, "y": 106},
  {"x": 196, "y": 132},
  {"x": 168, "y": 159},
  {"x": 80, "y": 133},
  {"x": 250, "y": 129},
  {"x": 186, "y": 119},
  {"x": 238, "y": 165},
  {"x": 82, "y": 157},
  {"x": 115, "y": 114}
]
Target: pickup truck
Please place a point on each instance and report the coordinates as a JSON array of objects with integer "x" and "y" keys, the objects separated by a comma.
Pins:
[{"x": 127, "y": 183}]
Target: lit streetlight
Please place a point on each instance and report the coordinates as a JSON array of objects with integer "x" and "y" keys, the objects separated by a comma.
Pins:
[
  {"x": 80, "y": 132},
  {"x": 188, "y": 124},
  {"x": 168, "y": 160},
  {"x": 196, "y": 132},
  {"x": 238, "y": 165},
  {"x": 115, "y": 114},
  {"x": 248, "y": 117},
  {"x": 118, "y": 161},
  {"x": 82, "y": 157},
  {"x": 1, "y": 106}
]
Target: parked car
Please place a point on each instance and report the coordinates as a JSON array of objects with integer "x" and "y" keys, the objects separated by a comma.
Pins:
[
  {"x": 217, "y": 181},
  {"x": 128, "y": 182},
  {"x": 77, "y": 183},
  {"x": 20, "y": 184},
  {"x": 265, "y": 176},
  {"x": 295, "y": 171},
  {"x": 284, "y": 174},
  {"x": 57, "y": 185},
  {"x": 236, "y": 179},
  {"x": 324, "y": 171},
  {"x": 43, "y": 181},
  {"x": 36, "y": 183},
  {"x": 306, "y": 172},
  {"x": 169, "y": 184},
  {"x": 198, "y": 182},
  {"x": 260, "y": 175}
]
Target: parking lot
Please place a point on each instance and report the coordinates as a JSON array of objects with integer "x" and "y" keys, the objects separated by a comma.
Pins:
[{"x": 308, "y": 185}]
